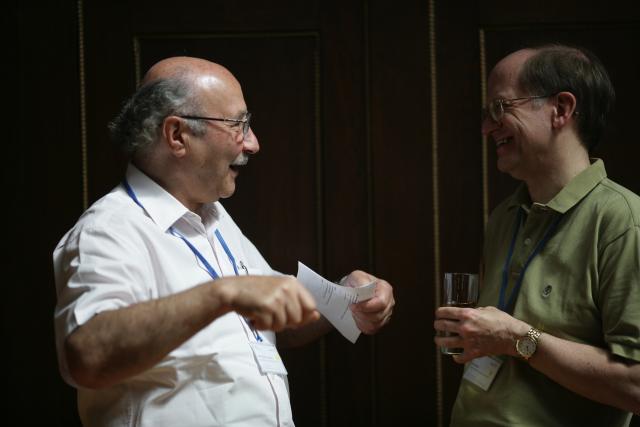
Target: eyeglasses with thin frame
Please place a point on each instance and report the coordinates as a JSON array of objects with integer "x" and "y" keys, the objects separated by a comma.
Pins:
[
  {"x": 495, "y": 109},
  {"x": 246, "y": 122}
]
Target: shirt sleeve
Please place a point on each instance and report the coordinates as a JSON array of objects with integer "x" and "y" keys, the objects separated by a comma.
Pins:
[
  {"x": 619, "y": 294},
  {"x": 96, "y": 269}
]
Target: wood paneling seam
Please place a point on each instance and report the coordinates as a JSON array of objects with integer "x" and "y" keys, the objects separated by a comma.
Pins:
[
  {"x": 136, "y": 60},
  {"x": 436, "y": 197},
  {"x": 320, "y": 220},
  {"x": 83, "y": 109},
  {"x": 485, "y": 159},
  {"x": 373, "y": 391}
]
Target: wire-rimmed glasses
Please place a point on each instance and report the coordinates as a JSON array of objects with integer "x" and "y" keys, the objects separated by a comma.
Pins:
[
  {"x": 495, "y": 109},
  {"x": 246, "y": 121}
]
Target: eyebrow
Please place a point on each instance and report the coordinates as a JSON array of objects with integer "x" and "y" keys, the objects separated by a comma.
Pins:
[{"x": 241, "y": 115}]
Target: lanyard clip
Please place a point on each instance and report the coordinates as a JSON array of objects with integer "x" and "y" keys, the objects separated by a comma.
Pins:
[{"x": 244, "y": 267}]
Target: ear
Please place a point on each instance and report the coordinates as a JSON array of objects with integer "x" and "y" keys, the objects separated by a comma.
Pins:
[
  {"x": 176, "y": 135},
  {"x": 564, "y": 109}
]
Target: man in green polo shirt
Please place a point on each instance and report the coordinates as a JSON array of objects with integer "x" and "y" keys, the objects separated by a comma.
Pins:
[{"x": 556, "y": 338}]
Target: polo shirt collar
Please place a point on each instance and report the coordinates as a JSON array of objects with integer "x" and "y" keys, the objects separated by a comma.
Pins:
[
  {"x": 160, "y": 205},
  {"x": 570, "y": 195}
]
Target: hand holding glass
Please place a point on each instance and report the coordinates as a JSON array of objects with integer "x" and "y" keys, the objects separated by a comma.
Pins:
[{"x": 458, "y": 290}]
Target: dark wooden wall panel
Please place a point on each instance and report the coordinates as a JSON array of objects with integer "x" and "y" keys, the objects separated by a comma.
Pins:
[
  {"x": 401, "y": 158},
  {"x": 460, "y": 156},
  {"x": 346, "y": 195},
  {"x": 343, "y": 108},
  {"x": 43, "y": 184}
]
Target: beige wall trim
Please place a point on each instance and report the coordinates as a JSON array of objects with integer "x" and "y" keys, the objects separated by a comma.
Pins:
[
  {"x": 136, "y": 60},
  {"x": 83, "y": 108}
]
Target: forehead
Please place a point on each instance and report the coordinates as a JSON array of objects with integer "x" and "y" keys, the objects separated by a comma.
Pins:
[
  {"x": 222, "y": 96},
  {"x": 503, "y": 80}
]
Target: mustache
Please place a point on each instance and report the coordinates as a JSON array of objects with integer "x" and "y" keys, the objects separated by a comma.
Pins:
[{"x": 241, "y": 160}]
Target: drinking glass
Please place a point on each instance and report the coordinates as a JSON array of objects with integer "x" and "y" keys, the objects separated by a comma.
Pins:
[{"x": 458, "y": 290}]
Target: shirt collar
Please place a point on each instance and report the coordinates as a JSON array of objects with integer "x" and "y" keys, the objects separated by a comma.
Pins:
[
  {"x": 570, "y": 195},
  {"x": 161, "y": 206}
]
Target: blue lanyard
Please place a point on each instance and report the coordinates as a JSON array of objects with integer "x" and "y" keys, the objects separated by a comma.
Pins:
[
  {"x": 214, "y": 275},
  {"x": 505, "y": 269},
  {"x": 212, "y": 272}
]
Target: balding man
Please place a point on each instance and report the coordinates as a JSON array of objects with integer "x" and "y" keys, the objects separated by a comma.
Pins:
[
  {"x": 560, "y": 303},
  {"x": 166, "y": 312}
]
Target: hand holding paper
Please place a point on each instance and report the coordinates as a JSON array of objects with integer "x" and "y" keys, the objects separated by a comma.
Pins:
[
  {"x": 374, "y": 313},
  {"x": 333, "y": 300}
]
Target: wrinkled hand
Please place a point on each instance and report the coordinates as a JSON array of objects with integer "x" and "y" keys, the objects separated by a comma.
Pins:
[
  {"x": 373, "y": 314},
  {"x": 480, "y": 331},
  {"x": 271, "y": 302}
]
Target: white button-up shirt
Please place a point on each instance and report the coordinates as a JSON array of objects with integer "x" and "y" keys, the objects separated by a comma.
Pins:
[{"x": 119, "y": 254}]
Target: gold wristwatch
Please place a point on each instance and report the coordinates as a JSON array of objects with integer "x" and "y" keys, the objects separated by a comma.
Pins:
[{"x": 527, "y": 345}]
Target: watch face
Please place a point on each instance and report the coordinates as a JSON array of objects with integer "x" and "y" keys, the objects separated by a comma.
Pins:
[{"x": 526, "y": 347}]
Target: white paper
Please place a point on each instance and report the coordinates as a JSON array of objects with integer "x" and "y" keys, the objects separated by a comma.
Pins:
[{"x": 333, "y": 300}]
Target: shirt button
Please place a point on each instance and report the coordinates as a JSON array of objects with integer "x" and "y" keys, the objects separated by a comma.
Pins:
[{"x": 527, "y": 241}]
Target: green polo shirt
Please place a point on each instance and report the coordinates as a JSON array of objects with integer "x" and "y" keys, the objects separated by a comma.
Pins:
[{"x": 583, "y": 286}]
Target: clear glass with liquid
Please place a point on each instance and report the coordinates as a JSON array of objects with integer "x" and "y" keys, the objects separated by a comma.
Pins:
[{"x": 458, "y": 290}]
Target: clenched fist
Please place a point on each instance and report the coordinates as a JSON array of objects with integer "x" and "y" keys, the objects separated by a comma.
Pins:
[{"x": 269, "y": 302}]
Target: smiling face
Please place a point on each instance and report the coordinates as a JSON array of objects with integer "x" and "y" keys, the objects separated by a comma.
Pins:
[
  {"x": 197, "y": 159},
  {"x": 523, "y": 136},
  {"x": 217, "y": 155},
  {"x": 209, "y": 157}
]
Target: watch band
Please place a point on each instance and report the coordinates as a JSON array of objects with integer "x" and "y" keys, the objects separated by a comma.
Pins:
[
  {"x": 527, "y": 345},
  {"x": 534, "y": 334}
]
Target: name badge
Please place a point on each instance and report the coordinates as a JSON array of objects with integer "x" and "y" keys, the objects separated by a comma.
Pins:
[
  {"x": 268, "y": 358},
  {"x": 482, "y": 371}
]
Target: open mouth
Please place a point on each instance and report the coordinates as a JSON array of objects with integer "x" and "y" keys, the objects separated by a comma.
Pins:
[
  {"x": 503, "y": 142},
  {"x": 240, "y": 161}
]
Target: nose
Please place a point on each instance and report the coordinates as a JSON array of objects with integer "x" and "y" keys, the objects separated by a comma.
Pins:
[
  {"x": 489, "y": 125},
  {"x": 250, "y": 143}
]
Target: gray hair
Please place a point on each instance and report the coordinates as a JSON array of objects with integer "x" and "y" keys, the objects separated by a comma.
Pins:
[{"x": 138, "y": 125}]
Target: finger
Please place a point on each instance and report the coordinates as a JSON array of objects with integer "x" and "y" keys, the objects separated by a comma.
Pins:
[
  {"x": 261, "y": 321},
  {"x": 358, "y": 278},
  {"x": 450, "y": 341},
  {"x": 293, "y": 311},
  {"x": 461, "y": 358},
  {"x": 372, "y": 317},
  {"x": 307, "y": 303},
  {"x": 450, "y": 312},
  {"x": 368, "y": 324},
  {"x": 310, "y": 317},
  {"x": 383, "y": 299},
  {"x": 446, "y": 325},
  {"x": 279, "y": 315},
  {"x": 374, "y": 305}
]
